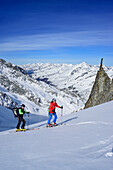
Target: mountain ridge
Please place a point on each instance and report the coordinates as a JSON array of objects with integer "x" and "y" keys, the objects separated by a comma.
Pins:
[
  {"x": 39, "y": 83},
  {"x": 74, "y": 79}
]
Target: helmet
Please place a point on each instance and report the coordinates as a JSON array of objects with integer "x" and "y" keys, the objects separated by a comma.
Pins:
[
  {"x": 53, "y": 99},
  {"x": 23, "y": 105}
]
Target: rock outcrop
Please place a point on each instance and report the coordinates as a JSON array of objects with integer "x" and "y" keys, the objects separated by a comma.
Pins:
[
  {"x": 13, "y": 78},
  {"x": 102, "y": 90},
  {"x": 7, "y": 101}
]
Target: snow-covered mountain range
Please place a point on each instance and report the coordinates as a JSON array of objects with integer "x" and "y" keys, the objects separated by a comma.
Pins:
[
  {"x": 36, "y": 84},
  {"x": 75, "y": 81}
]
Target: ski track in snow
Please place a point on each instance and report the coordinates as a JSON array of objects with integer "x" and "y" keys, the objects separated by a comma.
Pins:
[{"x": 99, "y": 149}]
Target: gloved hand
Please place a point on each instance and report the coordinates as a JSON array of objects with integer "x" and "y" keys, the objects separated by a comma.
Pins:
[
  {"x": 28, "y": 112},
  {"x": 61, "y": 107}
]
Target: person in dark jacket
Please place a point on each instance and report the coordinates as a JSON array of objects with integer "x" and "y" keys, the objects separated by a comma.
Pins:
[
  {"x": 21, "y": 112},
  {"x": 52, "y": 112}
]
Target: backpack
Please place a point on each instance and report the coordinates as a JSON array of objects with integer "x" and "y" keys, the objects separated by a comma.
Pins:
[
  {"x": 48, "y": 108},
  {"x": 15, "y": 111}
]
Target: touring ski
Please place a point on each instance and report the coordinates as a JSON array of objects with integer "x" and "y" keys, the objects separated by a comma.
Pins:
[
  {"x": 59, "y": 124},
  {"x": 20, "y": 130}
]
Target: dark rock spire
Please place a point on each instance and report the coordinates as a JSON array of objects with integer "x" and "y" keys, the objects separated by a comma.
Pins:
[
  {"x": 102, "y": 90},
  {"x": 101, "y": 64}
]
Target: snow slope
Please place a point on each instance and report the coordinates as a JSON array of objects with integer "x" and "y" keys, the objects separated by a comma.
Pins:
[{"x": 84, "y": 143}]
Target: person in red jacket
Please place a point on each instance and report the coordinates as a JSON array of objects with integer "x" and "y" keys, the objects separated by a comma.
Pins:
[{"x": 52, "y": 112}]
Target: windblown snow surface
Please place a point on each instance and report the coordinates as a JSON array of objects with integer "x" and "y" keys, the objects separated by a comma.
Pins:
[{"x": 84, "y": 143}]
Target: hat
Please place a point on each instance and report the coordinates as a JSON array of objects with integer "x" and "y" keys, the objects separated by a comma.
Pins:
[
  {"x": 23, "y": 105},
  {"x": 53, "y": 99}
]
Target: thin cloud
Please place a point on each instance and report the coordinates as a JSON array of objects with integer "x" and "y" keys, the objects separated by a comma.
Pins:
[
  {"x": 28, "y": 61},
  {"x": 51, "y": 41}
]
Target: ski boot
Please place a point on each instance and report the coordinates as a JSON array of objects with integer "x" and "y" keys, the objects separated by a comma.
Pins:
[
  {"x": 49, "y": 125},
  {"x": 17, "y": 130},
  {"x": 54, "y": 124}
]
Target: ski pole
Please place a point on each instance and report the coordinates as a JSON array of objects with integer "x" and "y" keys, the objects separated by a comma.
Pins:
[
  {"x": 61, "y": 115},
  {"x": 28, "y": 122}
]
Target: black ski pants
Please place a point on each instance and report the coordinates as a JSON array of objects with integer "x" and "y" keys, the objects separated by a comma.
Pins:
[{"x": 20, "y": 119}]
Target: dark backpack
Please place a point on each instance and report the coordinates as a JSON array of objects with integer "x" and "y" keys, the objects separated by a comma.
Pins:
[{"x": 15, "y": 111}]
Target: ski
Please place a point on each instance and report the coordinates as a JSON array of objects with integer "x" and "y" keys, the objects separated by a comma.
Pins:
[
  {"x": 33, "y": 129},
  {"x": 23, "y": 130},
  {"x": 20, "y": 130},
  {"x": 59, "y": 124}
]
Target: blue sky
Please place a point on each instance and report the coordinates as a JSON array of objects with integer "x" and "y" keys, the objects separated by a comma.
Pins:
[{"x": 56, "y": 31}]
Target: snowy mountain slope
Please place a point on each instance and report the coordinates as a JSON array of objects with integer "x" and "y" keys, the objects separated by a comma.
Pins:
[
  {"x": 7, "y": 120},
  {"x": 85, "y": 142},
  {"x": 75, "y": 80},
  {"x": 16, "y": 86}
]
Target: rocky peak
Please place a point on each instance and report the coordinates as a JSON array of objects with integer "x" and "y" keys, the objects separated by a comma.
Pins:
[
  {"x": 102, "y": 90},
  {"x": 14, "y": 67}
]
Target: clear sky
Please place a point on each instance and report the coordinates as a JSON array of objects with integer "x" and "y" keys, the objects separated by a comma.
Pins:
[{"x": 56, "y": 31}]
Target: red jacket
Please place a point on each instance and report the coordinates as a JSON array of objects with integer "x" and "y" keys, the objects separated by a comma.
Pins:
[{"x": 52, "y": 107}]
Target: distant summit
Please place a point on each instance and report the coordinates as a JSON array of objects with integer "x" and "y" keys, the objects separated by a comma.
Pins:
[{"x": 102, "y": 90}]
